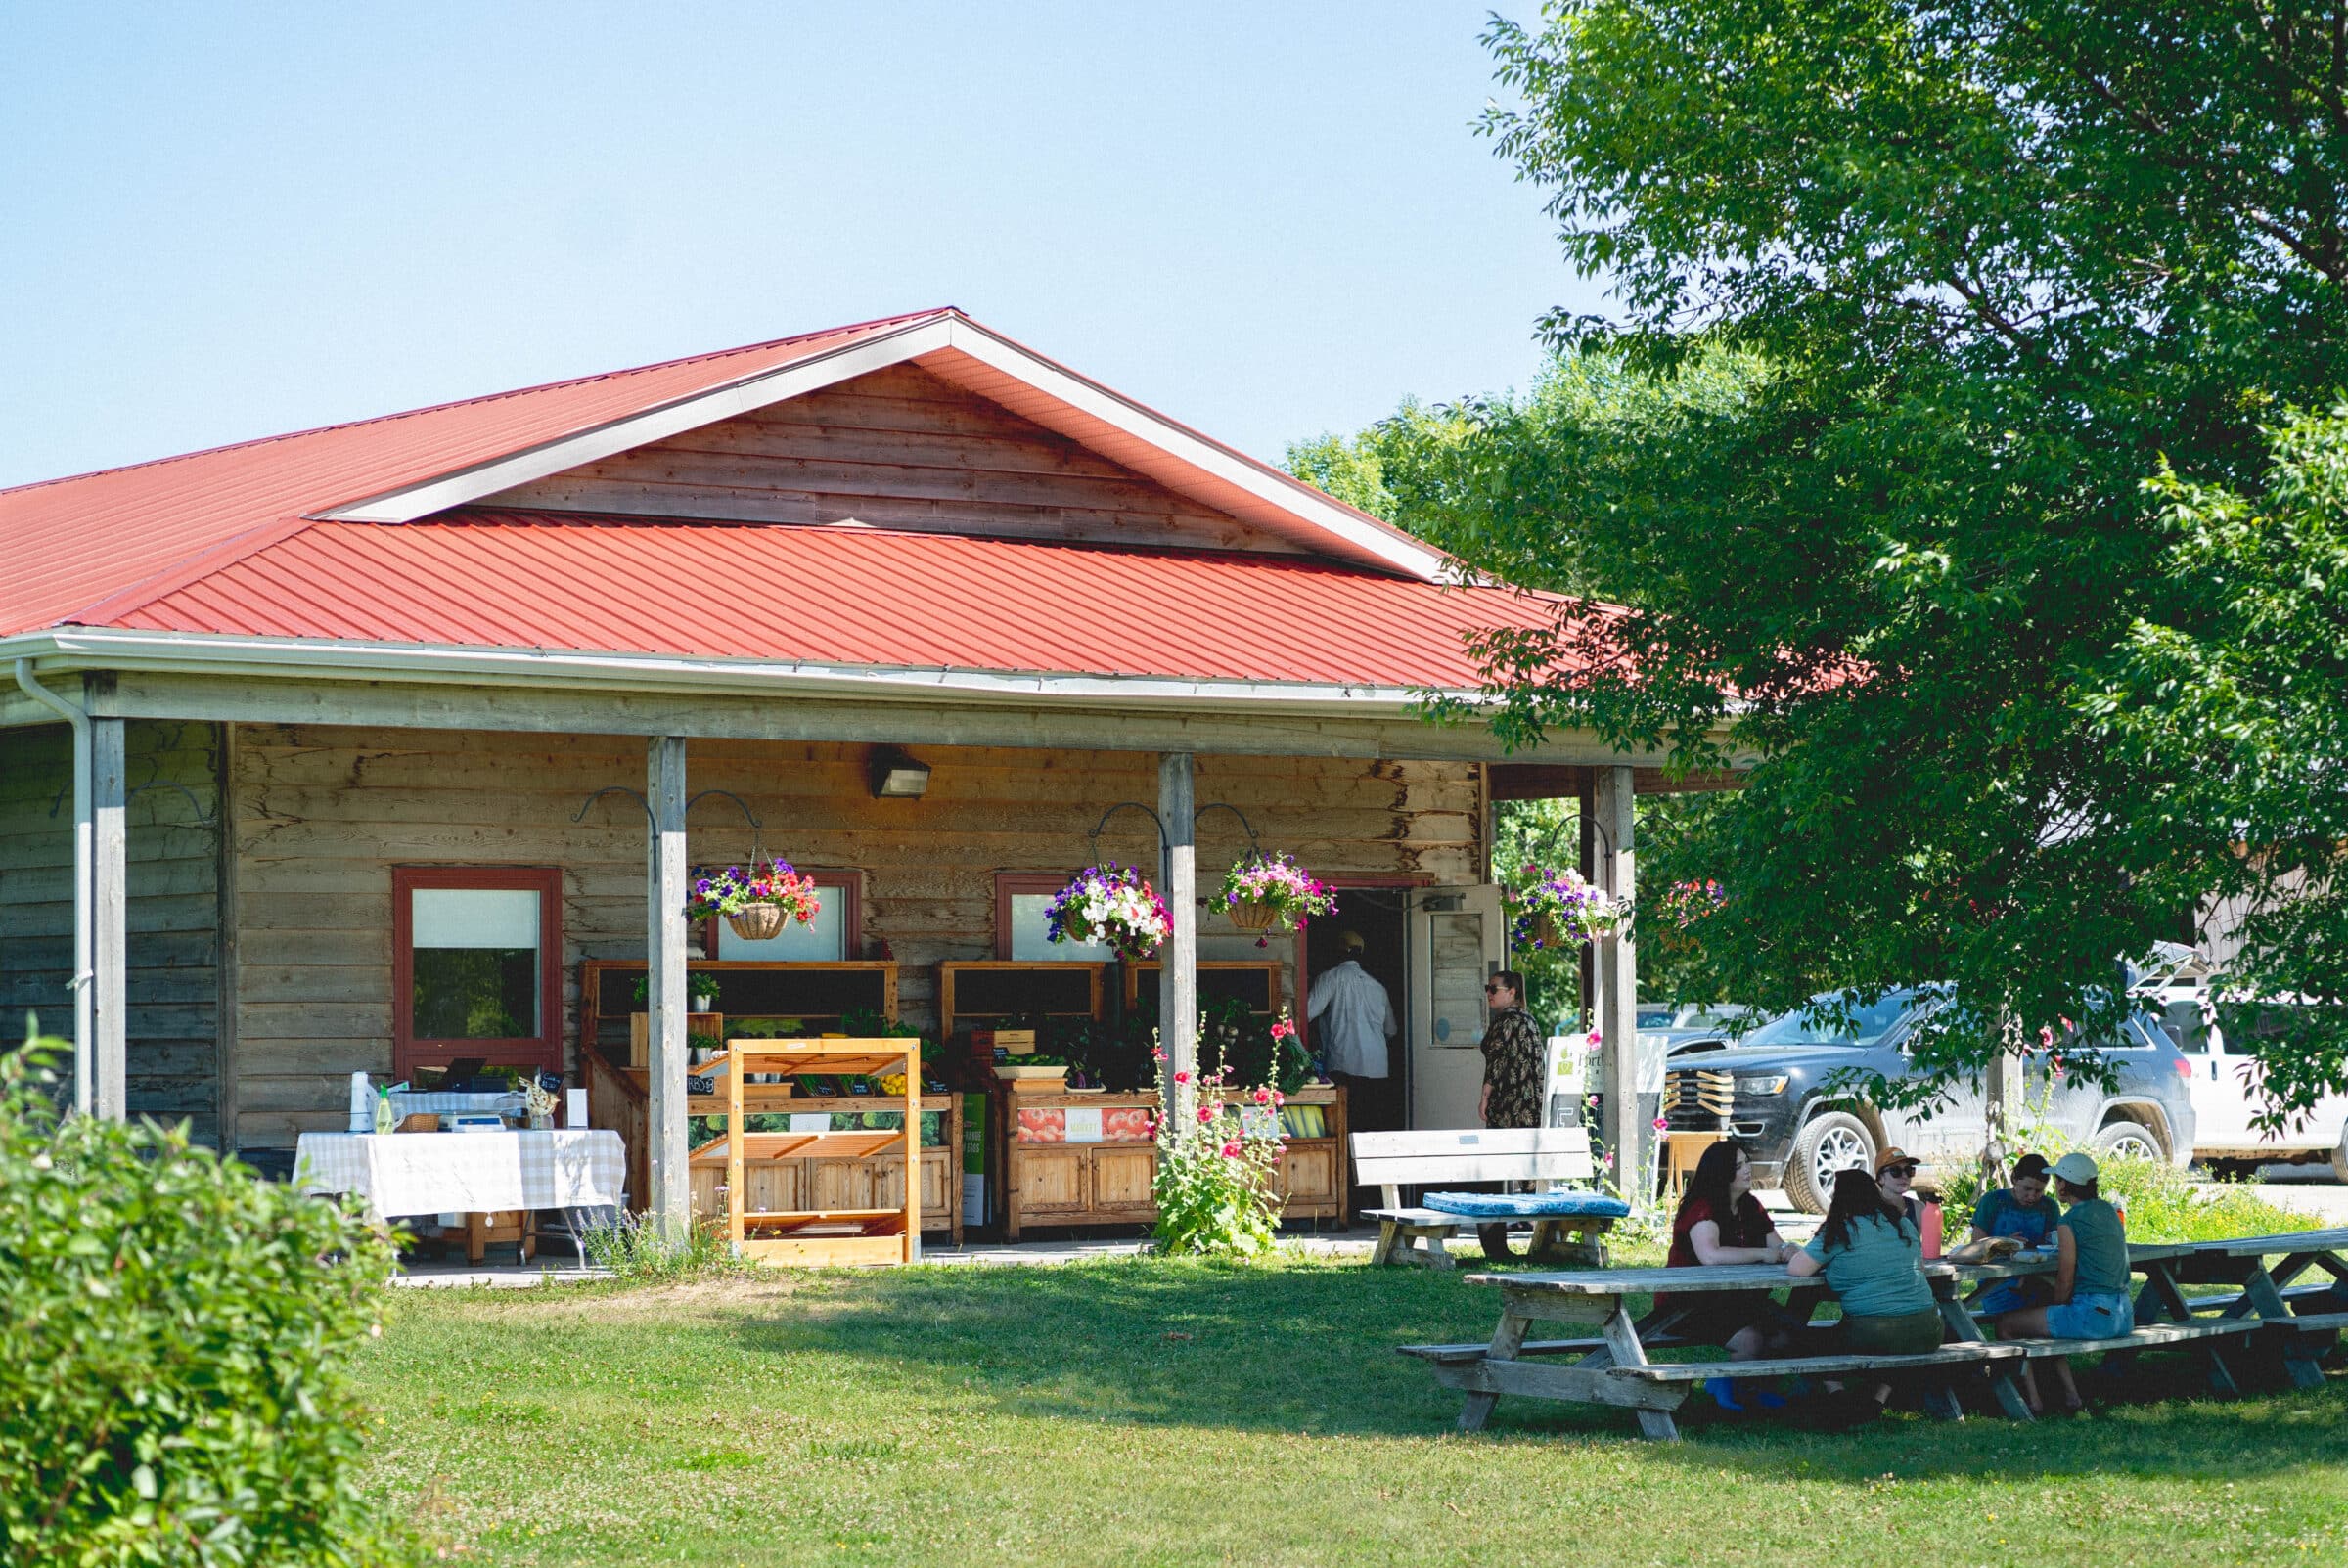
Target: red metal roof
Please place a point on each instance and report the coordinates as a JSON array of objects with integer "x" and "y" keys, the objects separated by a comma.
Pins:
[
  {"x": 79, "y": 547},
  {"x": 841, "y": 595}
]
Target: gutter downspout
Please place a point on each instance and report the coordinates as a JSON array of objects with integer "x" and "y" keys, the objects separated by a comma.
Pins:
[{"x": 84, "y": 914}]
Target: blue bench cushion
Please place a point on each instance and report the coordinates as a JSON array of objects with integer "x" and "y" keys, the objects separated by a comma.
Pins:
[{"x": 1528, "y": 1205}]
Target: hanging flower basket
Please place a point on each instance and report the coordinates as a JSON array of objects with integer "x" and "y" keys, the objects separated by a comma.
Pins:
[
  {"x": 1557, "y": 908},
  {"x": 1251, "y": 915},
  {"x": 1273, "y": 893},
  {"x": 756, "y": 903},
  {"x": 1110, "y": 905},
  {"x": 757, "y": 923}
]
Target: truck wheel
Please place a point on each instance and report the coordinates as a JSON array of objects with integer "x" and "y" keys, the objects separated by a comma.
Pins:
[
  {"x": 1830, "y": 1143},
  {"x": 2127, "y": 1140}
]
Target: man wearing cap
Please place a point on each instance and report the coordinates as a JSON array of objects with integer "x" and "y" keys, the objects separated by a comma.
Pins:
[
  {"x": 2091, "y": 1277},
  {"x": 1352, "y": 1020}
]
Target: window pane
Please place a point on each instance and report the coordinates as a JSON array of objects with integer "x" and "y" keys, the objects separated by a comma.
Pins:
[
  {"x": 1029, "y": 944},
  {"x": 475, "y": 916},
  {"x": 475, "y": 963},
  {"x": 822, "y": 940}
]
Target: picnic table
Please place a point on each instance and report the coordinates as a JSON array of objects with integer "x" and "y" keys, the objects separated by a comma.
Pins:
[
  {"x": 2299, "y": 1322},
  {"x": 1614, "y": 1368}
]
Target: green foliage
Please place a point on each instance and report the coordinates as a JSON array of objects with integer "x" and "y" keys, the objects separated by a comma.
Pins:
[
  {"x": 175, "y": 1336},
  {"x": 1913, "y": 298},
  {"x": 1214, "y": 1187},
  {"x": 1241, "y": 1046},
  {"x": 2251, "y": 683}
]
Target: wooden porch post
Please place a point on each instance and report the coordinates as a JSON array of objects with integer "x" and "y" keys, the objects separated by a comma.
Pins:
[
  {"x": 1628, "y": 1137},
  {"x": 109, "y": 893},
  {"x": 1585, "y": 803},
  {"x": 1178, "y": 1016},
  {"x": 670, "y": 1201}
]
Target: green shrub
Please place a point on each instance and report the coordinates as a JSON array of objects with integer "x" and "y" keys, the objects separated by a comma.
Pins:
[
  {"x": 174, "y": 1347},
  {"x": 633, "y": 1249}
]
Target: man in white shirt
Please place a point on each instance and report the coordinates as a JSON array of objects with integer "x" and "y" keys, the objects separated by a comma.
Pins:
[{"x": 1352, "y": 1020}]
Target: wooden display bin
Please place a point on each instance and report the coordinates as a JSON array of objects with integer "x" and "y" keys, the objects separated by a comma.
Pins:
[
  {"x": 834, "y": 1216},
  {"x": 822, "y": 1180},
  {"x": 1111, "y": 1181}
]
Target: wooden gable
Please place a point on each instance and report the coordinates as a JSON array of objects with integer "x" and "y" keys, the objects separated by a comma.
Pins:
[{"x": 896, "y": 448}]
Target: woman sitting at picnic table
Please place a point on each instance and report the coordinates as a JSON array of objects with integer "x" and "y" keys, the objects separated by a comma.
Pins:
[
  {"x": 2090, "y": 1278},
  {"x": 1873, "y": 1260},
  {"x": 2024, "y": 1213},
  {"x": 1721, "y": 1222}
]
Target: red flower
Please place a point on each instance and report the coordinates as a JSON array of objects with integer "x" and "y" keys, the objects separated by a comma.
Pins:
[
  {"x": 1263, "y": 1097},
  {"x": 1232, "y": 1149},
  {"x": 1206, "y": 1113},
  {"x": 1182, "y": 1077}
]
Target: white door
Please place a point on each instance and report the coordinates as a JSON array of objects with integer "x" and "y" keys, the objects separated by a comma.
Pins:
[{"x": 1458, "y": 937}]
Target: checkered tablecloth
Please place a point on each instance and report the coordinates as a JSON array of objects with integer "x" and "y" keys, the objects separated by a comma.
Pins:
[{"x": 456, "y": 1173}]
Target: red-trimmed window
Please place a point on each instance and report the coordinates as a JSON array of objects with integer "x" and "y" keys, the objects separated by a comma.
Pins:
[
  {"x": 1020, "y": 901},
  {"x": 835, "y": 933},
  {"x": 476, "y": 964}
]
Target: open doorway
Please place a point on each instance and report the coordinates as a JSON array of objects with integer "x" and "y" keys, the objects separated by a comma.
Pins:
[{"x": 1373, "y": 1104}]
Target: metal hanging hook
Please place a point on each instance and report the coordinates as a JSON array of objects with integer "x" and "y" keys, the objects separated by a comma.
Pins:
[
  {"x": 1254, "y": 845},
  {"x": 637, "y": 795},
  {"x": 749, "y": 816},
  {"x": 1164, "y": 840}
]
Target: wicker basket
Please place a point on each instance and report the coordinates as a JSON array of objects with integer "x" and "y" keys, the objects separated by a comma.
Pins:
[
  {"x": 757, "y": 923},
  {"x": 1252, "y": 915}
]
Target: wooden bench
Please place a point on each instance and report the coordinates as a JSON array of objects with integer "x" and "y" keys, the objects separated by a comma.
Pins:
[
  {"x": 2209, "y": 1337},
  {"x": 1885, "y": 1367},
  {"x": 1392, "y": 1160}
]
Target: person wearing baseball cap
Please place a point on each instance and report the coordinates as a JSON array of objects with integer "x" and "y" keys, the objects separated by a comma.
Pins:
[
  {"x": 2090, "y": 1278},
  {"x": 1895, "y": 1175}
]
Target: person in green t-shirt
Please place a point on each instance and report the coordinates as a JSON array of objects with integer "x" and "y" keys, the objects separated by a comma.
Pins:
[
  {"x": 1873, "y": 1261},
  {"x": 2090, "y": 1278}
]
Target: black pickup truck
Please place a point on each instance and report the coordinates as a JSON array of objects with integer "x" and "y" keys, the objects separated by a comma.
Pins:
[{"x": 1771, "y": 1091}]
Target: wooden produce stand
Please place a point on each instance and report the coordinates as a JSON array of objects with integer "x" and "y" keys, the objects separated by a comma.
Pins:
[
  {"x": 1048, "y": 1180},
  {"x": 804, "y": 1234},
  {"x": 826, "y": 1181}
]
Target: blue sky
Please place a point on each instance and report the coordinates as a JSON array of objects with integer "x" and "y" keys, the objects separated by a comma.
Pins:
[{"x": 225, "y": 221}]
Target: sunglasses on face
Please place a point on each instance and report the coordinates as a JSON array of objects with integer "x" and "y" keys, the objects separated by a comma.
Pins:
[
  {"x": 1491, "y": 990},
  {"x": 1907, "y": 1172}
]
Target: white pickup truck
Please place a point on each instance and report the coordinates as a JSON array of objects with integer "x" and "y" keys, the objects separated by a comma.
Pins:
[{"x": 2225, "y": 1086}]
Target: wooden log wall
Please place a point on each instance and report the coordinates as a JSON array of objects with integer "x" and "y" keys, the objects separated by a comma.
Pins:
[
  {"x": 899, "y": 448},
  {"x": 322, "y": 814},
  {"x": 174, "y": 985}
]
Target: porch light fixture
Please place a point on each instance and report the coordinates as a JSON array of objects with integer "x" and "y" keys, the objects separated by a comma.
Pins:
[{"x": 896, "y": 776}]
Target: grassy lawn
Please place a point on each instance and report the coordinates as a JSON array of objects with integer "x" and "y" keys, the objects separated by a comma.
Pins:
[{"x": 1147, "y": 1412}]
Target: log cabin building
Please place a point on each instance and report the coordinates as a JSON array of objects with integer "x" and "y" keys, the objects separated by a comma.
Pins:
[{"x": 904, "y": 602}]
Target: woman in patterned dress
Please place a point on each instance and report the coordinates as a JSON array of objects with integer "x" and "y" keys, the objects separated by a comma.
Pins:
[{"x": 1514, "y": 1055}]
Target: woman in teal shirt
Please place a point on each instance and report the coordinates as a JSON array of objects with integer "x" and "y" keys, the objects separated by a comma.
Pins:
[{"x": 1873, "y": 1261}]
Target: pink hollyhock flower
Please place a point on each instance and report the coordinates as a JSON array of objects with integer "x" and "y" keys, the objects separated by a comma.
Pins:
[
  {"x": 1597, "y": 1040},
  {"x": 1206, "y": 1113},
  {"x": 1231, "y": 1150},
  {"x": 1661, "y": 1124},
  {"x": 2045, "y": 1038},
  {"x": 1182, "y": 1077},
  {"x": 1263, "y": 1097},
  {"x": 1157, "y": 1052},
  {"x": 1279, "y": 1099}
]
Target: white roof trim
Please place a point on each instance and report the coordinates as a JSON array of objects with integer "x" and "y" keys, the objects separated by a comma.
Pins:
[
  {"x": 756, "y": 391},
  {"x": 111, "y": 647},
  {"x": 1343, "y": 532}
]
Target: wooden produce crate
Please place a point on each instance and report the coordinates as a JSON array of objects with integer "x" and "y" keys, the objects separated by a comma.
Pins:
[
  {"x": 859, "y": 1229},
  {"x": 1047, "y": 1179}
]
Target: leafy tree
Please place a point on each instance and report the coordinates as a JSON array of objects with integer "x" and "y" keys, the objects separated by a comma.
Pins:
[{"x": 1920, "y": 296}]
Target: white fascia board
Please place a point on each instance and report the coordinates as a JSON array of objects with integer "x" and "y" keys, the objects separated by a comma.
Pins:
[
  {"x": 1208, "y": 457},
  {"x": 106, "y": 647},
  {"x": 743, "y": 396}
]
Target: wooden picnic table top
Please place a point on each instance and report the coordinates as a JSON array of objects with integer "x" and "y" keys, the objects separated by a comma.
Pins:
[{"x": 2248, "y": 1246}]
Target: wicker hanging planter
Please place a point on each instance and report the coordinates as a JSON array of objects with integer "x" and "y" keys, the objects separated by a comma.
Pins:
[
  {"x": 1254, "y": 916},
  {"x": 1545, "y": 930},
  {"x": 757, "y": 923}
]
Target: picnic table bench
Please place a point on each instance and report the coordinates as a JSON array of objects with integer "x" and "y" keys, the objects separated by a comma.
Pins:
[{"x": 1567, "y": 1226}]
